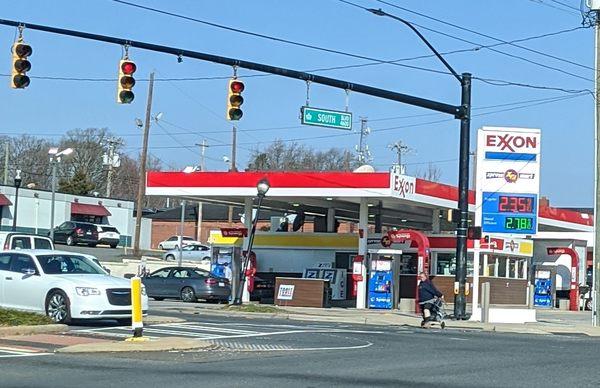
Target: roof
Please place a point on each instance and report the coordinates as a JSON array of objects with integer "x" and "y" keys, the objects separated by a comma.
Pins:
[{"x": 89, "y": 209}]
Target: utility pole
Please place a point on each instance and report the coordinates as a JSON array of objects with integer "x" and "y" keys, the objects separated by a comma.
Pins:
[
  {"x": 203, "y": 147},
  {"x": 364, "y": 155},
  {"x": 233, "y": 149},
  {"x": 6, "y": 151},
  {"x": 595, "y": 8},
  {"x": 400, "y": 149},
  {"x": 142, "y": 180},
  {"x": 111, "y": 161}
]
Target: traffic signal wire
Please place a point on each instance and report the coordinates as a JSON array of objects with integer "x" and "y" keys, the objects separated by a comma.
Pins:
[
  {"x": 474, "y": 43},
  {"x": 287, "y": 41},
  {"x": 486, "y": 35}
]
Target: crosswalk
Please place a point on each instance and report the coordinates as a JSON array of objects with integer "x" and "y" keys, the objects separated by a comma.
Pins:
[
  {"x": 202, "y": 330},
  {"x": 11, "y": 352}
]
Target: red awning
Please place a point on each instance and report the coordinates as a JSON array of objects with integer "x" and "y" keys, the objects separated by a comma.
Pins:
[
  {"x": 89, "y": 210},
  {"x": 4, "y": 201}
]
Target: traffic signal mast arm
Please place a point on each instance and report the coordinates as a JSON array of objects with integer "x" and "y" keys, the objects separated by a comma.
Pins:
[{"x": 457, "y": 111}]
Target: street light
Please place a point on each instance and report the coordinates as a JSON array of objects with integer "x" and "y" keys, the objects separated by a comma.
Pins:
[
  {"x": 55, "y": 157},
  {"x": 18, "y": 181},
  {"x": 464, "y": 114},
  {"x": 261, "y": 188}
]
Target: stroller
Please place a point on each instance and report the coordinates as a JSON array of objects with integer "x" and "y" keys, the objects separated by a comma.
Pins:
[{"x": 438, "y": 314}]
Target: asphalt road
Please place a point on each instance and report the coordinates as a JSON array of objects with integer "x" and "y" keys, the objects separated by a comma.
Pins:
[{"x": 277, "y": 352}]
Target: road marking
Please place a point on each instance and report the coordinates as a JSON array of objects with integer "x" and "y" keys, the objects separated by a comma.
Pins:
[{"x": 6, "y": 352}]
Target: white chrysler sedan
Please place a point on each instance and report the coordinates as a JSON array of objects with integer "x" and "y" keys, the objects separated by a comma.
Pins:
[{"x": 63, "y": 285}]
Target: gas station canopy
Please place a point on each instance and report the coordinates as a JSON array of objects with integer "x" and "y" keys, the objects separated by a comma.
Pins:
[{"x": 399, "y": 200}]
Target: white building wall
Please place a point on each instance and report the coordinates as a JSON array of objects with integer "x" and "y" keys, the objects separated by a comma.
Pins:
[{"x": 34, "y": 211}]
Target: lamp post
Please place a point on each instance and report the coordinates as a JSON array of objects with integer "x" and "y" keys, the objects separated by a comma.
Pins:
[
  {"x": 55, "y": 157},
  {"x": 18, "y": 181},
  {"x": 261, "y": 187},
  {"x": 464, "y": 114}
]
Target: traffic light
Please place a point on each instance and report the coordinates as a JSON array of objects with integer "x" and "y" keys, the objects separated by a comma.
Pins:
[
  {"x": 235, "y": 99},
  {"x": 126, "y": 81},
  {"x": 20, "y": 65}
]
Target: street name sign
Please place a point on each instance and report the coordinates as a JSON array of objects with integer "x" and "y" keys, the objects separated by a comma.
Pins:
[{"x": 326, "y": 118}]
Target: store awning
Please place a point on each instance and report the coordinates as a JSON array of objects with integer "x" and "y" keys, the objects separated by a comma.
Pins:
[
  {"x": 4, "y": 201},
  {"x": 89, "y": 210}
]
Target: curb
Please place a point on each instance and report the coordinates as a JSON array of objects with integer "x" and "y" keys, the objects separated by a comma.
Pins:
[
  {"x": 163, "y": 344},
  {"x": 374, "y": 321},
  {"x": 28, "y": 330},
  {"x": 159, "y": 319}
]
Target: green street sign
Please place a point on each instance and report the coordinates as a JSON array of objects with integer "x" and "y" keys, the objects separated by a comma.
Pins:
[{"x": 326, "y": 118}]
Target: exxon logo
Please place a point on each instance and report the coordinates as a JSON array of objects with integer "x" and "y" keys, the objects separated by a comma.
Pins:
[
  {"x": 509, "y": 142},
  {"x": 403, "y": 186}
]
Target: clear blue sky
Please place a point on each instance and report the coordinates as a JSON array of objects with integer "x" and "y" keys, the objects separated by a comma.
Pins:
[{"x": 194, "y": 110}]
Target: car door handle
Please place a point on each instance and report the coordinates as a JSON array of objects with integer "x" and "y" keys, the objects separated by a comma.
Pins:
[{"x": 8, "y": 278}]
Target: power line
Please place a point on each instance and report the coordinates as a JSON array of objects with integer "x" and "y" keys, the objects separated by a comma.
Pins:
[
  {"x": 281, "y": 40},
  {"x": 540, "y": 2},
  {"x": 487, "y": 36}
]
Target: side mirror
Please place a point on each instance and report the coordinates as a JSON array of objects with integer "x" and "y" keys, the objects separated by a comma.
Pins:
[
  {"x": 28, "y": 272},
  {"x": 106, "y": 269}
]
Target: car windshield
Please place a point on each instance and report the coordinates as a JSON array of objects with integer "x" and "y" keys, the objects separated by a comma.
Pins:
[
  {"x": 185, "y": 238},
  {"x": 109, "y": 229},
  {"x": 68, "y": 264}
]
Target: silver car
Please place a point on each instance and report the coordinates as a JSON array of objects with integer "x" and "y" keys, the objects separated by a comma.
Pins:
[{"x": 192, "y": 252}]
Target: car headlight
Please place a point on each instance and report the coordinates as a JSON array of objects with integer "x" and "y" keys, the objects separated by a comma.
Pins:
[
  {"x": 86, "y": 291},
  {"x": 144, "y": 291}
]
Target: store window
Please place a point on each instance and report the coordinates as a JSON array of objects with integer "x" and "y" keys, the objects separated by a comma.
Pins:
[
  {"x": 446, "y": 264},
  {"x": 408, "y": 263}
]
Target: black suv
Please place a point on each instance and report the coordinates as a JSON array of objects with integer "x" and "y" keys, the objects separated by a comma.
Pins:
[{"x": 75, "y": 232}]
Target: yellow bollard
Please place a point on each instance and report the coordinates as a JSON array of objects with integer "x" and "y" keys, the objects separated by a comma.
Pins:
[{"x": 136, "y": 310}]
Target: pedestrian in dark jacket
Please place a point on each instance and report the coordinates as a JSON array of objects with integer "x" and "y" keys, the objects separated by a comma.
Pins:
[{"x": 427, "y": 296}]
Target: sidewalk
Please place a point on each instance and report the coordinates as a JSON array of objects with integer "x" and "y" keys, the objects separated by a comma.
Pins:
[{"x": 549, "y": 321}]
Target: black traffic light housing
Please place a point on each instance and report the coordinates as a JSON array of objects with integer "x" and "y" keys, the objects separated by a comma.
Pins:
[
  {"x": 20, "y": 65},
  {"x": 234, "y": 99},
  {"x": 126, "y": 82},
  {"x": 474, "y": 233}
]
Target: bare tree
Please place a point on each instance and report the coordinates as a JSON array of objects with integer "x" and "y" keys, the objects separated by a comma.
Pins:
[
  {"x": 294, "y": 156},
  {"x": 431, "y": 173}
]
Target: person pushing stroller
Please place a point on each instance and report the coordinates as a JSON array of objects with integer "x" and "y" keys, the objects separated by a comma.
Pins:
[{"x": 428, "y": 294}]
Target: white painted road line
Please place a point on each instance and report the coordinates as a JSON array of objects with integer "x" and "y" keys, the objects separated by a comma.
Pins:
[{"x": 17, "y": 352}]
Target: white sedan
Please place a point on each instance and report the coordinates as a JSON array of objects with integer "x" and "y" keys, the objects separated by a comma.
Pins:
[
  {"x": 173, "y": 242},
  {"x": 64, "y": 286}
]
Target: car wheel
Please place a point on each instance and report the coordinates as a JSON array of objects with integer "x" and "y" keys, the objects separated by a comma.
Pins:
[
  {"x": 124, "y": 321},
  {"x": 160, "y": 246},
  {"x": 58, "y": 307},
  {"x": 188, "y": 295},
  {"x": 70, "y": 241},
  {"x": 170, "y": 258},
  {"x": 588, "y": 304},
  {"x": 113, "y": 246},
  {"x": 157, "y": 298},
  {"x": 92, "y": 245}
]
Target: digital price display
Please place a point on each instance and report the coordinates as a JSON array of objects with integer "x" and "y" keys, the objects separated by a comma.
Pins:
[{"x": 509, "y": 213}]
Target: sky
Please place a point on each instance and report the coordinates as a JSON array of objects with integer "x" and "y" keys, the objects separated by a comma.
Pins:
[{"x": 531, "y": 89}]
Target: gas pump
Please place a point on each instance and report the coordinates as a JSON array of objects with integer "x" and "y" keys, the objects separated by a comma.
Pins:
[
  {"x": 251, "y": 272},
  {"x": 543, "y": 283},
  {"x": 383, "y": 282}
]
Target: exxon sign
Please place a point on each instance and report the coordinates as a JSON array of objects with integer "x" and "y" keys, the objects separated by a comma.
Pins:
[
  {"x": 512, "y": 142},
  {"x": 402, "y": 186}
]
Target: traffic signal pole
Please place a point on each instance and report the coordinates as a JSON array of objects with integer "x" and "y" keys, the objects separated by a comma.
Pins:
[{"x": 461, "y": 112}]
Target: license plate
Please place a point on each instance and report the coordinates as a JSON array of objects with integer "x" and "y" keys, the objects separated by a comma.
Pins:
[
  {"x": 221, "y": 284},
  {"x": 88, "y": 233}
]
